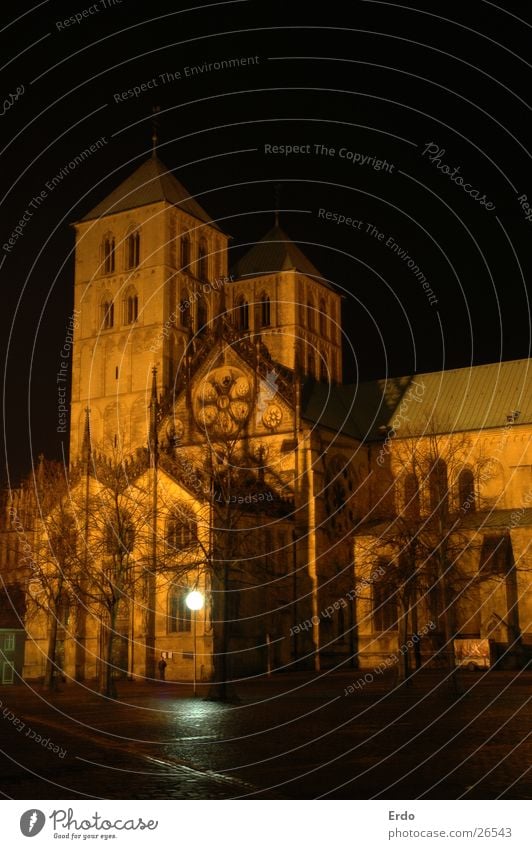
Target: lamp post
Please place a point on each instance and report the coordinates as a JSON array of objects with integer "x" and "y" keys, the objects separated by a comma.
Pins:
[{"x": 194, "y": 602}]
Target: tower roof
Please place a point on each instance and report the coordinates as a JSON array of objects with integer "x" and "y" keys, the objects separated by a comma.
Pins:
[
  {"x": 274, "y": 252},
  {"x": 152, "y": 182}
]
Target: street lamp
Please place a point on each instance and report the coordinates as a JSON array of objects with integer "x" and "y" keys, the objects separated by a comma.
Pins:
[{"x": 194, "y": 602}]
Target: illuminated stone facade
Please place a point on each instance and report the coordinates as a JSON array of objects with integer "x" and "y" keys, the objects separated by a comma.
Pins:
[{"x": 220, "y": 395}]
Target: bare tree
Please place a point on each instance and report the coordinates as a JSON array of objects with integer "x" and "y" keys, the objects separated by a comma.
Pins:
[
  {"x": 118, "y": 529},
  {"x": 56, "y": 558},
  {"x": 435, "y": 480}
]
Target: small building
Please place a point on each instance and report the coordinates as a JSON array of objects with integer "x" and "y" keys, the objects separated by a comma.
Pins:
[{"x": 11, "y": 654}]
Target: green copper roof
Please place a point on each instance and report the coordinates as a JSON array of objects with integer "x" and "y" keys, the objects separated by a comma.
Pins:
[
  {"x": 474, "y": 398},
  {"x": 152, "y": 182},
  {"x": 274, "y": 252}
]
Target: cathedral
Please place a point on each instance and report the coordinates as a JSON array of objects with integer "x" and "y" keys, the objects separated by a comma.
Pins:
[{"x": 215, "y": 450}]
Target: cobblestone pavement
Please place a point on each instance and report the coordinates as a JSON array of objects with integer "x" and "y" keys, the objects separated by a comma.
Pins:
[{"x": 288, "y": 737}]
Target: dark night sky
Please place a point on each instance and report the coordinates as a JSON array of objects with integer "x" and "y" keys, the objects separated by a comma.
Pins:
[{"x": 378, "y": 79}]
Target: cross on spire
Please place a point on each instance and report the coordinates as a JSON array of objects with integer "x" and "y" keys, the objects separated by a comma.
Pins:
[
  {"x": 277, "y": 197},
  {"x": 155, "y": 129}
]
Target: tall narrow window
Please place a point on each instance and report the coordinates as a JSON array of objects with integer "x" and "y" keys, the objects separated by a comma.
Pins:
[
  {"x": 411, "y": 500},
  {"x": 323, "y": 368},
  {"x": 242, "y": 313},
  {"x": 311, "y": 364},
  {"x": 133, "y": 249},
  {"x": 108, "y": 253},
  {"x": 185, "y": 254},
  {"x": 265, "y": 317},
  {"x": 184, "y": 309},
  {"x": 107, "y": 313},
  {"x": 322, "y": 318},
  {"x": 179, "y": 615},
  {"x": 310, "y": 314},
  {"x": 438, "y": 487},
  {"x": 201, "y": 314},
  {"x": 203, "y": 273},
  {"x": 131, "y": 307},
  {"x": 332, "y": 319},
  {"x": 466, "y": 490}
]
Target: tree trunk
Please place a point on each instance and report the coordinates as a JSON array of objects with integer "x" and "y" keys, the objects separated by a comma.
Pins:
[
  {"x": 403, "y": 667},
  {"x": 50, "y": 677},
  {"x": 448, "y": 619},
  {"x": 219, "y": 689},
  {"x": 107, "y": 684},
  {"x": 415, "y": 632}
]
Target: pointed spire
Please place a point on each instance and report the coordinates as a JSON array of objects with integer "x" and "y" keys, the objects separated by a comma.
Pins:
[
  {"x": 153, "y": 440},
  {"x": 40, "y": 470},
  {"x": 154, "y": 130},
  {"x": 277, "y": 202},
  {"x": 86, "y": 442}
]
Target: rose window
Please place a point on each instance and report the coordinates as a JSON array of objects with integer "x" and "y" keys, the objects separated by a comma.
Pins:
[{"x": 223, "y": 401}]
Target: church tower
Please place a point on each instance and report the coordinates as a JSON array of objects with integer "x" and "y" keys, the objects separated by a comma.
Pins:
[
  {"x": 278, "y": 293},
  {"x": 149, "y": 269}
]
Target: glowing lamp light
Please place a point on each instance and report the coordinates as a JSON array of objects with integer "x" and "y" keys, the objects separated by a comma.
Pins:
[{"x": 194, "y": 600}]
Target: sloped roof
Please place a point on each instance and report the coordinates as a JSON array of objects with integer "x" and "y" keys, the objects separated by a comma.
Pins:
[
  {"x": 464, "y": 399},
  {"x": 359, "y": 410},
  {"x": 274, "y": 252},
  {"x": 152, "y": 182}
]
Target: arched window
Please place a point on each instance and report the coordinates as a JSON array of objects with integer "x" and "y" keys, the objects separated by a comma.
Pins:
[
  {"x": 179, "y": 614},
  {"x": 242, "y": 313},
  {"x": 107, "y": 313},
  {"x": 185, "y": 254},
  {"x": 323, "y": 368},
  {"x": 438, "y": 486},
  {"x": 466, "y": 490},
  {"x": 108, "y": 253},
  {"x": 310, "y": 314},
  {"x": 332, "y": 317},
  {"x": 411, "y": 494},
  {"x": 203, "y": 273},
  {"x": 322, "y": 319},
  {"x": 311, "y": 363},
  {"x": 384, "y": 593},
  {"x": 265, "y": 310},
  {"x": 201, "y": 314},
  {"x": 131, "y": 307},
  {"x": 119, "y": 535},
  {"x": 184, "y": 309},
  {"x": 181, "y": 532},
  {"x": 133, "y": 249}
]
